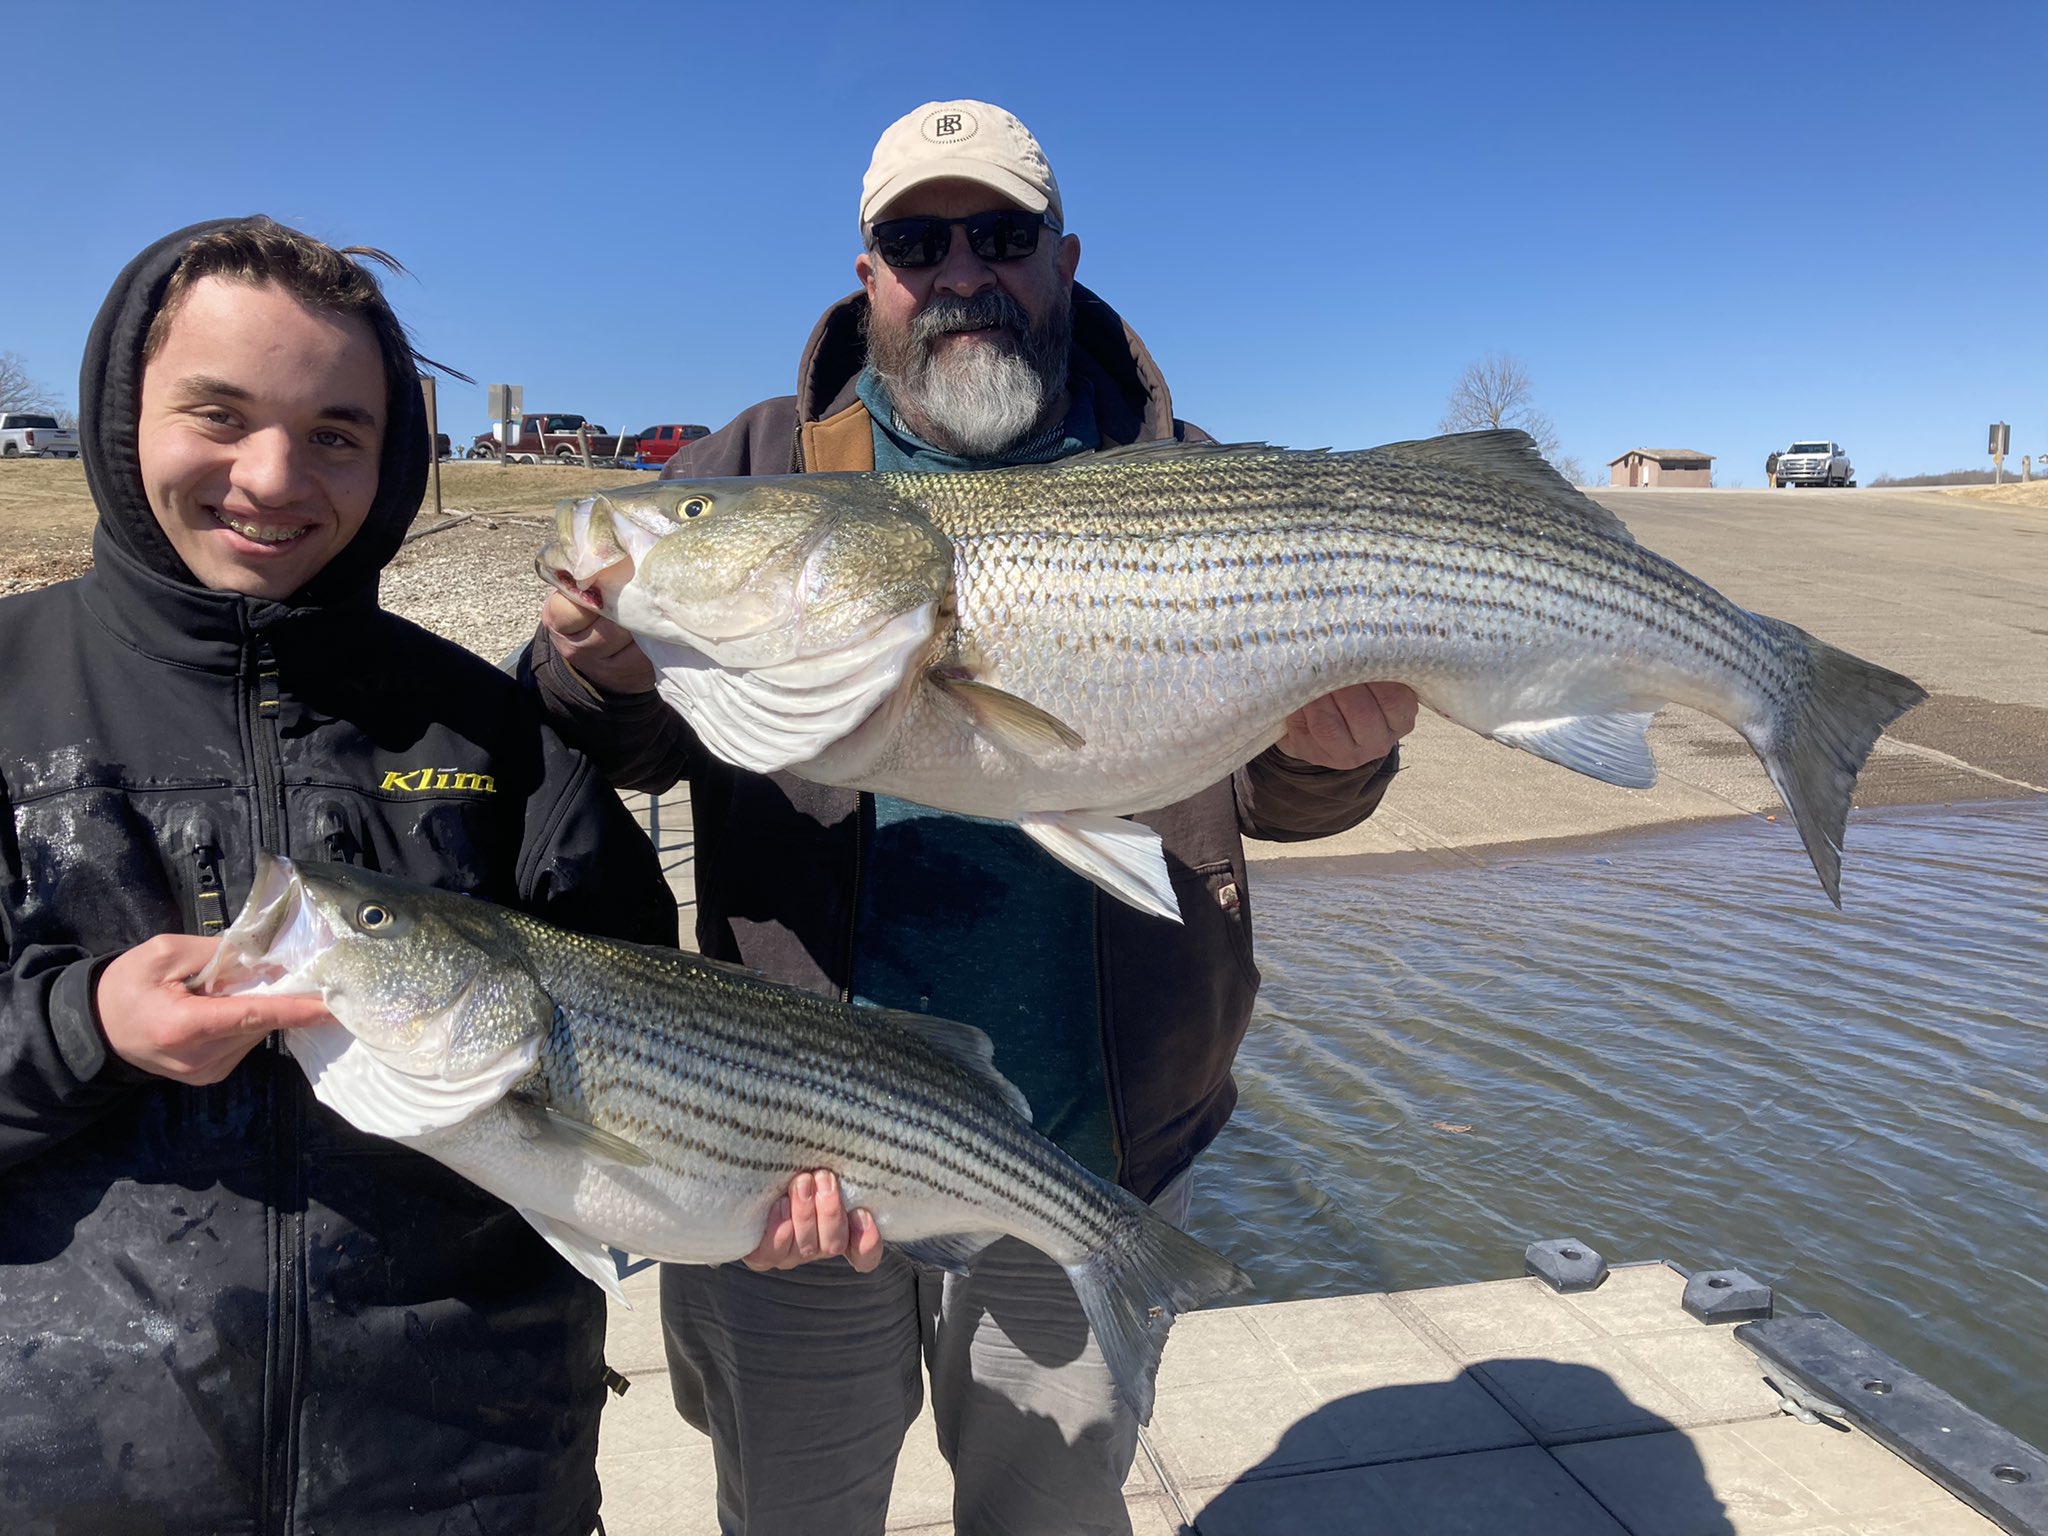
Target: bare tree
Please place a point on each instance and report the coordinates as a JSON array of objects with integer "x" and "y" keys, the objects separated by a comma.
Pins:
[
  {"x": 19, "y": 392},
  {"x": 1496, "y": 392}
]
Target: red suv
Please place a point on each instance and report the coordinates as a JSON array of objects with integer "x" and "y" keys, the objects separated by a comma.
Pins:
[{"x": 659, "y": 444}]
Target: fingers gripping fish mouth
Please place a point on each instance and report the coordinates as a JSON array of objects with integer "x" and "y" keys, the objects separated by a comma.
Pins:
[
  {"x": 273, "y": 941},
  {"x": 587, "y": 560}
]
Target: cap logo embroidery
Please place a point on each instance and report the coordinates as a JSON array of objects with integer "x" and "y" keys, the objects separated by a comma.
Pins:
[{"x": 944, "y": 127}]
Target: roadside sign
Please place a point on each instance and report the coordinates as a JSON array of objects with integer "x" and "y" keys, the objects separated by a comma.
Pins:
[
  {"x": 2001, "y": 440},
  {"x": 505, "y": 401}
]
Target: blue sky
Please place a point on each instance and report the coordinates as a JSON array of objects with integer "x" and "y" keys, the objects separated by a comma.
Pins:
[{"x": 1716, "y": 227}]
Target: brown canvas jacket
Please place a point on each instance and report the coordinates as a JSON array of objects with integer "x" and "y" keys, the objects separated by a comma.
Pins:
[{"x": 778, "y": 859}]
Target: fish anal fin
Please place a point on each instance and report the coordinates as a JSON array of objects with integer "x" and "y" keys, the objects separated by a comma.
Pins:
[
  {"x": 1122, "y": 857},
  {"x": 1612, "y": 747},
  {"x": 1003, "y": 717},
  {"x": 948, "y": 1250}
]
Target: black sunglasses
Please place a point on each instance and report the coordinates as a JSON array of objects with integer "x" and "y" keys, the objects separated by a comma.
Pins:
[{"x": 1002, "y": 234}]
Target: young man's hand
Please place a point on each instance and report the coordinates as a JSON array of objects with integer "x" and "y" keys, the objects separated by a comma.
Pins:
[
  {"x": 1351, "y": 727},
  {"x": 598, "y": 650},
  {"x": 153, "y": 1021},
  {"x": 809, "y": 1222}
]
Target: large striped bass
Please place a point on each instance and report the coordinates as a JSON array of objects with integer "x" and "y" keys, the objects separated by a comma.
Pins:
[
  {"x": 657, "y": 1102},
  {"x": 1064, "y": 644}
]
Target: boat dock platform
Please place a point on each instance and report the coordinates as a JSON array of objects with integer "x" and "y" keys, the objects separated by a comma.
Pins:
[{"x": 1500, "y": 1408}]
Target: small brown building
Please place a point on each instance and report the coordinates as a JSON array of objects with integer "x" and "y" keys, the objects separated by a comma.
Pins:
[{"x": 1661, "y": 466}]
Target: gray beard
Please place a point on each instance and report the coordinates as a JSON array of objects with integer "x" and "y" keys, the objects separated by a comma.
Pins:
[{"x": 977, "y": 400}]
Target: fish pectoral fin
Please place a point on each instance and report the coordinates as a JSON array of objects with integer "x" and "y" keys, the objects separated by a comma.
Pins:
[
  {"x": 949, "y": 1250},
  {"x": 1611, "y": 748},
  {"x": 1003, "y": 717},
  {"x": 552, "y": 1124},
  {"x": 1122, "y": 857},
  {"x": 586, "y": 1255},
  {"x": 374, "y": 1096}
]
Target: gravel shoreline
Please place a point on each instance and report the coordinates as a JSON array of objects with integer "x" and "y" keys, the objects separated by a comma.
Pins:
[{"x": 473, "y": 583}]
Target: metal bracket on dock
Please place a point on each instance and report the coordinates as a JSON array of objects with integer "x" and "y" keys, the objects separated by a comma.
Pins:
[
  {"x": 1990, "y": 1469},
  {"x": 1565, "y": 1264},
  {"x": 1726, "y": 1296}
]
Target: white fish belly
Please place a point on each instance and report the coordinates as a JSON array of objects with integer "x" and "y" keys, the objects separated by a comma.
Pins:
[{"x": 643, "y": 1210}]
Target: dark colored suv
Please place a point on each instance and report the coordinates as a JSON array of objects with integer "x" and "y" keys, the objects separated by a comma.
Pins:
[{"x": 659, "y": 444}]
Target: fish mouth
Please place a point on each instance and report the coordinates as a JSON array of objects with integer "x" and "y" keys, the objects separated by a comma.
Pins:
[
  {"x": 272, "y": 939},
  {"x": 554, "y": 572},
  {"x": 596, "y": 543}
]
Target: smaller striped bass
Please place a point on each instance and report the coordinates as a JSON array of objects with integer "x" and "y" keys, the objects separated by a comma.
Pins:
[{"x": 657, "y": 1102}]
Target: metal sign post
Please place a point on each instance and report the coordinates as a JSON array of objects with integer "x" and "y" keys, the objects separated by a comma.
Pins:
[
  {"x": 507, "y": 404},
  {"x": 2001, "y": 445},
  {"x": 433, "y": 436}
]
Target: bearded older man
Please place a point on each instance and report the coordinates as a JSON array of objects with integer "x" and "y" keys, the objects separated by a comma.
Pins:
[{"x": 970, "y": 346}]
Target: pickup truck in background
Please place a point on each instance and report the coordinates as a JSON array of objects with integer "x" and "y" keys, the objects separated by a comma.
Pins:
[
  {"x": 32, "y": 434},
  {"x": 659, "y": 444},
  {"x": 556, "y": 435},
  {"x": 1815, "y": 462}
]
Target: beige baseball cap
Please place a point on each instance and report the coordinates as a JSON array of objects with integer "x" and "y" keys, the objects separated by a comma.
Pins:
[{"x": 963, "y": 140}]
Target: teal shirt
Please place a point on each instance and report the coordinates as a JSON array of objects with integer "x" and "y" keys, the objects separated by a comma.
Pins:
[{"x": 969, "y": 919}]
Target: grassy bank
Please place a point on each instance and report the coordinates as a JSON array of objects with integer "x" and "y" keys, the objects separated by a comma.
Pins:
[{"x": 46, "y": 513}]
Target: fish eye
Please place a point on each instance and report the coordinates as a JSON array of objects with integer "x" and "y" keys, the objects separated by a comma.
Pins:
[
  {"x": 371, "y": 916},
  {"x": 696, "y": 506}
]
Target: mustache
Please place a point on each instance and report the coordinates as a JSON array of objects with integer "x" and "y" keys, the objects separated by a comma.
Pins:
[{"x": 947, "y": 313}]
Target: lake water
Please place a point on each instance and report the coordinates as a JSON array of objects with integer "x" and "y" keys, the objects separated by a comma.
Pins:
[{"x": 1671, "y": 1048}]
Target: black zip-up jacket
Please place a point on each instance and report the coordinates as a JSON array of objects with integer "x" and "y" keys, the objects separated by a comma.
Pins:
[
  {"x": 223, "y": 1309},
  {"x": 779, "y": 859}
]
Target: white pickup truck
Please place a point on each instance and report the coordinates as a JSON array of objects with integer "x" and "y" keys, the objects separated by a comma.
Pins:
[
  {"x": 1815, "y": 462},
  {"x": 27, "y": 434}
]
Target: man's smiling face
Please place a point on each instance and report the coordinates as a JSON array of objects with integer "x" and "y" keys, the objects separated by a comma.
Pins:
[{"x": 261, "y": 427}]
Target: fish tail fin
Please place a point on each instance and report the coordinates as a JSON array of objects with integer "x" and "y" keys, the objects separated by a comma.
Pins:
[
  {"x": 1133, "y": 1289},
  {"x": 1819, "y": 741}
]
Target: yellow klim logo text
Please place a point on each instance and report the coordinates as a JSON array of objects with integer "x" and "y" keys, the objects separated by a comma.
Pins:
[{"x": 418, "y": 781}]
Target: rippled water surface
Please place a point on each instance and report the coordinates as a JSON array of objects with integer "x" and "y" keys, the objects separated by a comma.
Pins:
[{"x": 1671, "y": 1049}]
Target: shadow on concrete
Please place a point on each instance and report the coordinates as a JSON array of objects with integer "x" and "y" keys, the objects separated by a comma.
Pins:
[{"x": 1540, "y": 1448}]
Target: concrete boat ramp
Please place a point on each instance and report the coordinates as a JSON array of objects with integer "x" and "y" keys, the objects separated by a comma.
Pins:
[{"x": 1501, "y": 1408}]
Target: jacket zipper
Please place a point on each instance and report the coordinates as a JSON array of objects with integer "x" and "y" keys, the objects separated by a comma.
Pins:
[
  {"x": 287, "y": 1277},
  {"x": 209, "y": 905},
  {"x": 863, "y": 818}
]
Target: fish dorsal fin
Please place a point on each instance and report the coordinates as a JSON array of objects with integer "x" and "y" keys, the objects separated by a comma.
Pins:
[
  {"x": 1152, "y": 450},
  {"x": 963, "y": 1045},
  {"x": 1511, "y": 455}
]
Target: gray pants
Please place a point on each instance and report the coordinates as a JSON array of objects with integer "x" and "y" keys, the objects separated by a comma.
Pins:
[{"x": 807, "y": 1379}]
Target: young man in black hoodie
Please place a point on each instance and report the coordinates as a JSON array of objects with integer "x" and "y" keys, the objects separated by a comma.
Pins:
[{"x": 221, "y": 1307}]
